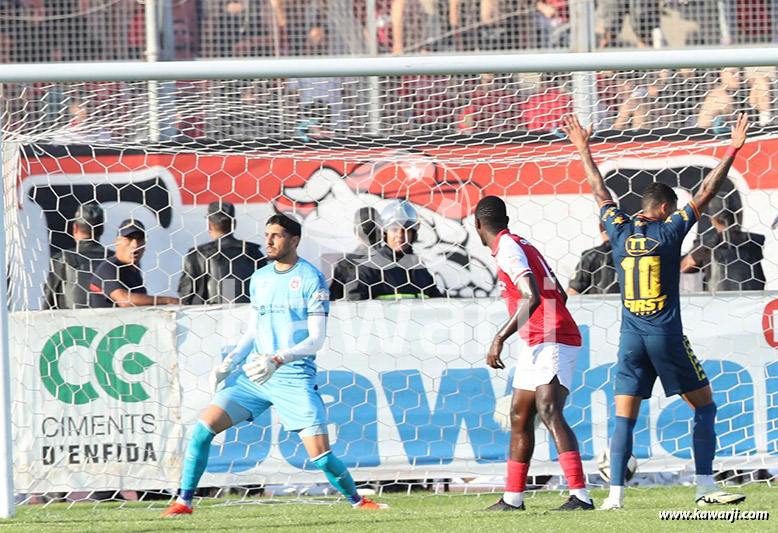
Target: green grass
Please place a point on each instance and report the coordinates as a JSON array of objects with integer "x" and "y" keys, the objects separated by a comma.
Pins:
[{"x": 419, "y": 512}]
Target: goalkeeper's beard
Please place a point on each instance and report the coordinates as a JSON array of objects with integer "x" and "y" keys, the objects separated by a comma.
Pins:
[{"x": 280, "y": 255}]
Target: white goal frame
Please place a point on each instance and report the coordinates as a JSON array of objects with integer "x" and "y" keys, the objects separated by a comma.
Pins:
[{"x": 324, "y": 67}]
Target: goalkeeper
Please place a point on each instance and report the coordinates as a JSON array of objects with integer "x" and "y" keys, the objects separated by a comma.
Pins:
[{"x": 287, "y": 326}]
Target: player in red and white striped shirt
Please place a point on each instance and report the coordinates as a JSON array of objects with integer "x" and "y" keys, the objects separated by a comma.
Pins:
[{"x": 544, "y": 371}]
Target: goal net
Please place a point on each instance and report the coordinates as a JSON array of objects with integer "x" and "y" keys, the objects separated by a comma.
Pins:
[{"x": 103, "y": 400}]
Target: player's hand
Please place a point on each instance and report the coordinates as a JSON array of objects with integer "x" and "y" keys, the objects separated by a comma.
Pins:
[
  {"x": 740, "y": 131},
  {"x": 261, "y": 368},
  {"x": 221, "y": 372},
  {"x": 577, "y": 134},
  {"x": 493, "y": 358}
]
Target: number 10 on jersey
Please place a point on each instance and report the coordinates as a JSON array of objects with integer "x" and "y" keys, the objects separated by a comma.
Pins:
[{"x": 649, "y": 297}]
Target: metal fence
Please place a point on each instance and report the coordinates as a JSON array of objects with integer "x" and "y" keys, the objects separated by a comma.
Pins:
[{"x": 94, "y": 30}]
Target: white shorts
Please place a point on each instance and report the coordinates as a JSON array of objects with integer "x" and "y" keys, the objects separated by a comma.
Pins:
[{"x": 537, "y": 365}]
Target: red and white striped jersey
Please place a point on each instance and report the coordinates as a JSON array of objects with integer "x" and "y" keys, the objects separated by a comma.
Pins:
[{"x": 551, "y": 321}]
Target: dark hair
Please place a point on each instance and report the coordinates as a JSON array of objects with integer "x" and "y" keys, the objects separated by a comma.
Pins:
[
  {"x": 90, "y": 219},
  {"x": 491, "y": 212},
  {"x": 291, "y": 226},
  {"x": 366, "y": 222},
  {"x": 657, "y": 194},
  {"x": 222, "y": 223}
]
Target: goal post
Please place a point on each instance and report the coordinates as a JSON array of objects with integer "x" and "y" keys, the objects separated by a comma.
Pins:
[{"x": 103, "y": 400}]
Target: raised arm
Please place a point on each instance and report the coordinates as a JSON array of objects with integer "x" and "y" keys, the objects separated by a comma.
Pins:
[
  {"x": 712, "y": 182},
  {"x": 579, "y": 136}
]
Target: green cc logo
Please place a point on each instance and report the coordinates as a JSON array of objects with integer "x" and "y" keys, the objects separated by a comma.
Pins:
[{"x": 133, "y": 363}]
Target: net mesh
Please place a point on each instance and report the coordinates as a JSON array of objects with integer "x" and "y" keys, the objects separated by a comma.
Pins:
[{"x": 104, "y": 400}]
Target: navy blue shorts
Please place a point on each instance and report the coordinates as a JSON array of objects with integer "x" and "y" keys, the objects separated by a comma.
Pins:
[{"x": 644, "y": 357}]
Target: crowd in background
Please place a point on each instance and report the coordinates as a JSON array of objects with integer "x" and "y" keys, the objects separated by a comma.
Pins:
[{"x": 87, "y": 30}]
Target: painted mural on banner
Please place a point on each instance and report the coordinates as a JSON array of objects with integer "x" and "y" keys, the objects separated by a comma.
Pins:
[
  {"x": 407, "y": 392},
  {"x": 96, "y": 399},
  {"x": 549, "y": 202}
]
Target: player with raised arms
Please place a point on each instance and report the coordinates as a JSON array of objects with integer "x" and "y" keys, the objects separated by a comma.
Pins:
[
  {"x": 287, "y": 326},
  {"x": 544, "y": 370},
  {"x": 647, "y": 257}
]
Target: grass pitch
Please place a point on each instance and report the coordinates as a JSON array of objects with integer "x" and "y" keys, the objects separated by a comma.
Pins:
[{"x": 418, "y": 512}]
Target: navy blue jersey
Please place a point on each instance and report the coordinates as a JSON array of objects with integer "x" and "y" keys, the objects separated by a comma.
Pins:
[{"x": 647, "y": 257}]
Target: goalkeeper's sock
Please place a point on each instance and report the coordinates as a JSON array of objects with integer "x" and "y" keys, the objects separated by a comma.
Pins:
[
  {"x": 621, "y": 449},
  {"x": 573, "y": 469},
  {"x": 515, "y": 483},
  {"x": 195, "y": 461},
  {"x": 338, "y": 475},
  {"x": 704, "y": 439}
]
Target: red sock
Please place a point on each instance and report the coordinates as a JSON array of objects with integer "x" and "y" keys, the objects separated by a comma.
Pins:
[
  {"x": 571, "y": 466},
  {"x": 517, "y": 476}
]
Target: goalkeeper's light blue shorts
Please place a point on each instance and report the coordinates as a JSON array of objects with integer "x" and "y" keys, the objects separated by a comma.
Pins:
[{"x": 297, "y": 401}]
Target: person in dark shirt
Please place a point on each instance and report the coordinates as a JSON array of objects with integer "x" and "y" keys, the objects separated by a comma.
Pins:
[
  {"x": 117, "y": 281},
  {"x": 368, "y": 231},
  {"x": 731, "y": 260},
  {"x": 647, "y": 256},
  {"x": 595, "y": 273},
  {"x": 394, "y": 271},
  {"x": 218, "y": 272},
  {"x": 67, "y": 284}
]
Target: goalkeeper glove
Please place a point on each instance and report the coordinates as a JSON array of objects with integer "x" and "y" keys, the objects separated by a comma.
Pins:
[
  {"x": 222, "y": 371},
  {"x": 261, "y": 368}
]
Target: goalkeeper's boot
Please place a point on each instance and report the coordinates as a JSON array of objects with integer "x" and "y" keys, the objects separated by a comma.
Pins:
[
  {"x": 367, "y": 504},
  {"x": 712, "y": 495},
  {"x": 176, "y": 509},
  {"x": 612, "y": 504},
  {"x": 573, "y": 503},
  {"x": 502, "y": 506}
]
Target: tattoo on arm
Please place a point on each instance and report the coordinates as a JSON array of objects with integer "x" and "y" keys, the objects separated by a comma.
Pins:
[
  {"x": 712, "y": 183},
  {"x": 594, "y": 177}
]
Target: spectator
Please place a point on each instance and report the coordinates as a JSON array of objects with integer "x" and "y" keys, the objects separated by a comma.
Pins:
[
  {"x": 492, "y": 107},
  {"x": 182, "y": 41},
  {"x": 189, "y": 13},
  {"x": 417, "y": 26},
  {"x": 34, "y": 39},
  {"x": 117, "y": 281},
  {"x": 643, "y": 16},
  {"x": 320, "y": 99},
  {"x": 760, "y": 80},
  {"x": 645, "y": 102},
  {"x": 722, "y": 100},
  {"x": 67, "y": 285},
  {"x": 543, "y": 110},
  {"x": 190, "y": 119},
  {"x": 753, "y": 21},
  {"x": 595, "y": 273},
  {"x": 508, "y": 25},
  {"x": 383, "y": 23},
  {"x": 238, "y": 29},
  {"x": 466, "y": 19},
  {"x": 719, "y": 103},
  {"x": 368, "y": 232},
  {"x": 732, "y": 261},
  {"x": 554, "y": 23},
  {"x": 394, "y": 271},
  {"x": 218, "y": 272},
  {"x": 701, "y": 19},
  {"x": 428, "y": 102}
]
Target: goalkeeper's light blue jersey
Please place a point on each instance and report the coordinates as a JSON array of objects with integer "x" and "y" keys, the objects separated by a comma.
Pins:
[{"x": 283, "y": 301}]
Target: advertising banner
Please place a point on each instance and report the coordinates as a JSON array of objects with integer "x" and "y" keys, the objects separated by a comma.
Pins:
[
  {"x": 96, "y": 399},
  {"x": 106, "y": 400}
]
